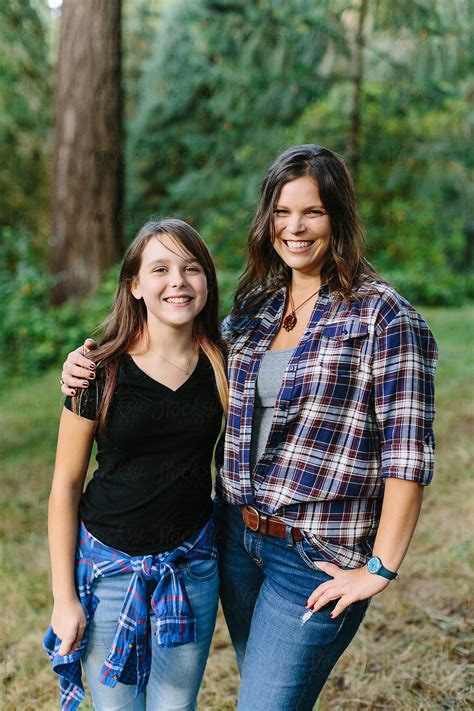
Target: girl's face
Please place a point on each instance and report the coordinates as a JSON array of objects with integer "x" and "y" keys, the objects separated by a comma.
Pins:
[
  {"x": 171, "y": 282},
  {"x": 302, "y": 227}
]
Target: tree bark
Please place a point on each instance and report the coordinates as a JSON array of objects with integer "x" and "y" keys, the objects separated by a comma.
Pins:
[
  {"x": 357, "y": 80},
  {"x": 88, "y": 169}
]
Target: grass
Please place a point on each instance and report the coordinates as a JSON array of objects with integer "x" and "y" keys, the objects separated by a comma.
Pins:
[{"x": 413, "y": 649}]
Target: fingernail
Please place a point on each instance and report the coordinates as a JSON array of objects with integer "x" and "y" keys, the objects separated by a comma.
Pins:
[
  {"x": 73, "y": 393},
  {"x": 92, "y": 376},
  {"x": 92, "y": 366},
  {"x": 85, "y": 383},
  {"x": 331, "y": 615}
]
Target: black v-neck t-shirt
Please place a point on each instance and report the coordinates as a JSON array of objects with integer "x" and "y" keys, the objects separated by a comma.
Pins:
[{"x": 152, "y": 487}]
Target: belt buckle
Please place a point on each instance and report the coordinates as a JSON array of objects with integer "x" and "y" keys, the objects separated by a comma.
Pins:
[{"x": 252, "y": 509}]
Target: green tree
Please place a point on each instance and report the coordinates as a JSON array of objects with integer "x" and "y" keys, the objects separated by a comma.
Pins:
[
  {"x": 141, "y": 22},
  {"x": 25, "y": 99}
]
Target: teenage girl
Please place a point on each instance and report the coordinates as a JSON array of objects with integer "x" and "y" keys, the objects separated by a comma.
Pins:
[{"x": 133, "y": 558}]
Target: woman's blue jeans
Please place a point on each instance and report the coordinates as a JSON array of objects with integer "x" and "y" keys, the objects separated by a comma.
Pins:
[
  {"x": 265, "y": 583},
  {"x": 176, "y": 673}
]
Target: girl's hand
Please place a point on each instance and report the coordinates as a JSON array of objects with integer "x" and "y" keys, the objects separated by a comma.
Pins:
[
  {"x": 347, "y": 585},
  {"x": 68, "y": 622}
]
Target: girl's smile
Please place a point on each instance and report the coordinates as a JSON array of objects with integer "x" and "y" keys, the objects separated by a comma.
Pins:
[
  {"x": 180, "y": 300},
  {"x": 171, "y": 283}
]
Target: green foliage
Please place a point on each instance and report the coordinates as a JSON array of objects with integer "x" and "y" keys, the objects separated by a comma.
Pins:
[
  {"x": 25, "y": 115},
  {"x": 438, "y": 287},
  {"x": 215, "y": 89},
  {"x": 34, "y": 335}
]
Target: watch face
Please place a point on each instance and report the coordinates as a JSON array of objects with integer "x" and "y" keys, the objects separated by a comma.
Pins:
[{"x": 374, "y": 564}]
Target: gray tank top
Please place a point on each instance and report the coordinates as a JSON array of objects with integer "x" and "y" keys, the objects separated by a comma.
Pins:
[{"x": 269, "y": 380}]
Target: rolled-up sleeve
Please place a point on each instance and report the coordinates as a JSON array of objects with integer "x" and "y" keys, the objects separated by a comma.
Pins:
[
  {"x": 404, "y": 364},
  {"x": 226, "y": 327}
]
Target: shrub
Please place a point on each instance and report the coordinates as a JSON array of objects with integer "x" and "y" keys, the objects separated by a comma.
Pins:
[
  {"x": 432, "y": 287},
  {"x": 33, "y": 335}
]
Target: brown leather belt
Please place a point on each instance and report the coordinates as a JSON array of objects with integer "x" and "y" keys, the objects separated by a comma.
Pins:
[{"x": 269, "y": 525}]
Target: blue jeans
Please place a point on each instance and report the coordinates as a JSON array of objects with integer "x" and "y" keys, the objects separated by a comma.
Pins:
[
  {"x": 176, "y": 673},
  {"x": 265, "y": 583}
]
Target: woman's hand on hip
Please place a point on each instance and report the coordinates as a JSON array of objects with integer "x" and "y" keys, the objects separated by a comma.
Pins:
[
  {"x": 78, "y": 370},
  {"x": 68, "y": 622},
  {"x": 347, "y": 586}
]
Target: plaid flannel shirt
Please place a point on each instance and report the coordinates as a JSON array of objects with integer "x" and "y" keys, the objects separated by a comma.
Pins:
[
  {"x": 356, "y": 405},
  {"x": 129, "y": 658}
]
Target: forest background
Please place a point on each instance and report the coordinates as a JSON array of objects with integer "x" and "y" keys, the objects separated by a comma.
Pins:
[{"x": 209, "y": 93}]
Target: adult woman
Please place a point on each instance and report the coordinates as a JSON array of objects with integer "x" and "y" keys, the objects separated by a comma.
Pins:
[
  {"x": 145, "y": 548},
  {"x": 328, "y": 441}
]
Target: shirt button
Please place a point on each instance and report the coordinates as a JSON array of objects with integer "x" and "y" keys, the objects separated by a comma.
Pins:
[
  {"x": 131, "y": 645},
  {"x": 115, "y": 677},
  {"x": 291, "y": 368}
]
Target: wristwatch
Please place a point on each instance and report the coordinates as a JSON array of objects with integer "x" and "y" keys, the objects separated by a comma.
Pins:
[{"x": 374, "y": 565}]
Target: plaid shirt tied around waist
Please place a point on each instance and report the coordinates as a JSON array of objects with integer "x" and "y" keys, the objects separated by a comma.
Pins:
[
  {"x": 356, "y": 405},
  {"x": 129, "y": 658}
]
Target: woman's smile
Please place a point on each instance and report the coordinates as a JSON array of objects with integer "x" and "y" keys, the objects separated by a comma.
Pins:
[
  {"x": 298, "y": 246},
  {"x": 301, "y": 226}
]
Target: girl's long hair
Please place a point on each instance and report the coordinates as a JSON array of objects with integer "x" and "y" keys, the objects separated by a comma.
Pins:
[
  {"x": 345, "y": 267},
  {"x": 126, "y": 323}
]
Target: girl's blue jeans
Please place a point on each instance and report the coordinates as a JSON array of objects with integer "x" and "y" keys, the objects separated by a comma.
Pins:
[
  {"x": 176, "y": 673},
  {"x": 265, "y": 583}
]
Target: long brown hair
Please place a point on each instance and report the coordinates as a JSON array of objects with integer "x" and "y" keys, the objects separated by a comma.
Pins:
[
  {"x": 345, "y": 268},
  {"x": 127, "y": 320}
]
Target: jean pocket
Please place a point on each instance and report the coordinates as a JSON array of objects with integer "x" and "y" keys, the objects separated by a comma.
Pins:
[
  {"x": 201, "y": 568},
  {"x": 310, "y": 556}
]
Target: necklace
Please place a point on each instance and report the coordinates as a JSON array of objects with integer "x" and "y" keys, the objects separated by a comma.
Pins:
[
  {"x": 173, "y": 364},
  {"x": 290, "y": 321}
]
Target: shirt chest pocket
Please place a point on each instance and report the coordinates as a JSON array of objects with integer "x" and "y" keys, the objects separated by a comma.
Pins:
[{"x": 341, "y": 345}]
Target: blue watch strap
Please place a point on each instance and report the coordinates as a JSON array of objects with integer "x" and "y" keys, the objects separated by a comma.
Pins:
[{"x": 376, "y": 567}]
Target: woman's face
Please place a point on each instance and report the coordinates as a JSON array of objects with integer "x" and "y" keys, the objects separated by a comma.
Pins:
[
  {"x": 171, "y": 282},
  {"x": 302, "y": 227}
]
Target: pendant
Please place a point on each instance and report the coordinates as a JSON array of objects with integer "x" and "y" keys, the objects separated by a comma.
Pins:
[{"x": 289, "y": 322}]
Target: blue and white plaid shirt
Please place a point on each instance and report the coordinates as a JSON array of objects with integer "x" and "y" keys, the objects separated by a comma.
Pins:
[
  {"x": 356, "y": 405},
  {"x": 129, "y": 658}
]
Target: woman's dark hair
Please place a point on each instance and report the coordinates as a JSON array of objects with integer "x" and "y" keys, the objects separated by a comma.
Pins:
[
  {"x": 127, "y": 322},
  {"x": 345, "y": 267}
]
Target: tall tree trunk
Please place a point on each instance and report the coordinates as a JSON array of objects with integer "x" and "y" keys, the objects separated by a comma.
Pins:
[
  {"x": 88, "y": 171},
  {"x": 357, "y": 79}
]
